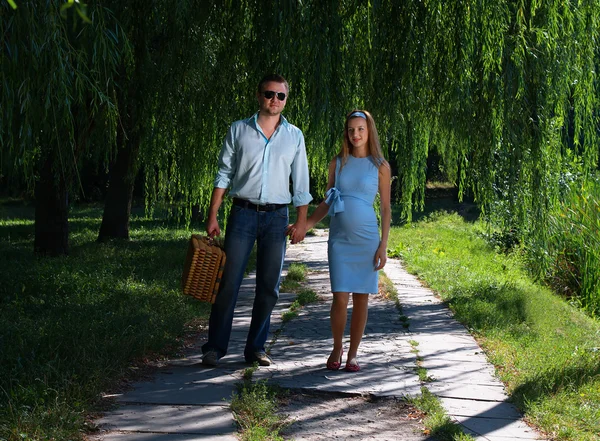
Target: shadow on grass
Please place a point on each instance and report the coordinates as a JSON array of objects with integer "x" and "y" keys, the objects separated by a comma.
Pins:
[
  {"x": 71, "y": 325},
  {"x": 486, "y": 305},
  {"x": 446, "y": 200},
  {"x": 554, "y": 380}
]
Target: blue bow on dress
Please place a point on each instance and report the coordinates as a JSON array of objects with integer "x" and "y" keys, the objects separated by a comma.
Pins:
[{"x": 334, "y": 200}]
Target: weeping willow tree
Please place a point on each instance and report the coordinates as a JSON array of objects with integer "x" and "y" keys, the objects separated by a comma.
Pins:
[
  {"x": 57, "y": 107},
  {"x": 155, "y": 85},
  {"x": 504, "y": 91}
]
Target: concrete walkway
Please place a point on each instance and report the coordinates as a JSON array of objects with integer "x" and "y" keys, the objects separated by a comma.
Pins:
[{"x": 187, "y": 401}]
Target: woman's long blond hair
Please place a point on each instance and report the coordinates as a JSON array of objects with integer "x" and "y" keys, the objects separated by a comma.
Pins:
[{"x": 373, "y": 141}]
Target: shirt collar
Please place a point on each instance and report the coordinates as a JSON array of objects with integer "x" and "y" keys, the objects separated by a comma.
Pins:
[{"x": 284, "y": 122}]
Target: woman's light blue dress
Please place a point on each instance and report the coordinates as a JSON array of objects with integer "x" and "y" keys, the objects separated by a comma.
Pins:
[{"x": 353, "y": 230}]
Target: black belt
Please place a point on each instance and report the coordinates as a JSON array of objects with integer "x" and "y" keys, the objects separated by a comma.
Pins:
[{"x": 250, "y": 206}]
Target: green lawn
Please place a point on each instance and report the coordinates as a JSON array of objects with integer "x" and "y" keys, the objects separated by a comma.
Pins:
[
  {"x": 545, "y": 350},
  {"x": 71, "y": 326}
]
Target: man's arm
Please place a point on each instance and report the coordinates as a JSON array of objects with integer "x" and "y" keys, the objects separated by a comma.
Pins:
[
  {"x": 323, "y": 209},
  {"x": 212, "y": 224},
  {"x": 301, "y": 198},
  {"x": 227, "y": 160},
  {"x": 298, "y": 230}
]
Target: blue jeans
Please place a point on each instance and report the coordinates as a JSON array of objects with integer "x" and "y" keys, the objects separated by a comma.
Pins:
[{"x": 244, "y": 228}]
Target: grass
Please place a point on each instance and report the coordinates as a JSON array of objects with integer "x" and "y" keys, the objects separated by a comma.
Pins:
[
  {"x": 389, "y": 292},
  {"x": 72, "y": 326},
  {"x": 295, "y": 275},
  {"x": 387, "y": 288},
  {"x": 424, "y": 377},
  {"x": 296, "y": 272},
  {"x": 303, "y": 297},
  {"x": 293, "y": 283},
  {"x": 546, "y": 351},
  {"x": 437, "y": 422},
  {"x": 255, "y": 406}
]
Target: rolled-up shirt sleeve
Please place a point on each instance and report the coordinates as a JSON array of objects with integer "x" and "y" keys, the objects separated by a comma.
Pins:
[
  {"x": 300, "y": 177},
  {"x": 227, "y": 161}
]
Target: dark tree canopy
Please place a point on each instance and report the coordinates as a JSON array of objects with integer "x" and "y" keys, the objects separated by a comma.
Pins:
[{"x": 505, "y": 92}]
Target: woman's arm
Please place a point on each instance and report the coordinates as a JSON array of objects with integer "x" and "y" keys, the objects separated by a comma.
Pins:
[
  {"x": 386, "y": 214},
  {"x": 322, "y": 210}
]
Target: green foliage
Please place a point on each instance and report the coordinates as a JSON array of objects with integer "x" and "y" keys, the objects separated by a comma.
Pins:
[
  {"x": 255, "y": 409},
  {"x": 58, "y": 89},
  {"x": 293, "y": 283},
  {"x": 437, "y": 422},
  {"x": 295, "y": 275},
  {"x": 249, "y": 372},
  {"x": 307, "y": 296},
  {"x": 545, "y": 350},
  {"x": 72, "y": 326},
  {"x": 503, "y": 91},
  {"x": 387, "y": 288},
  {"x": 573, "y": 251},
  {"x": 303, "y": 297},
  {"x": 297, "y": 272}
]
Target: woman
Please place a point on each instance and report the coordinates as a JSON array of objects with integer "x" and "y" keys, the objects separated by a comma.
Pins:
[{"x": 355, "y": 250}]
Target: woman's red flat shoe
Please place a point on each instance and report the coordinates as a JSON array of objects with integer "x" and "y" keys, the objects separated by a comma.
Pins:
[
  {"x": 335, "y": 365},
  {"x": 352, "y": 366}
]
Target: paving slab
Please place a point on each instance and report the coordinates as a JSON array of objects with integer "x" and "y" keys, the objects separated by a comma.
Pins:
[
  {"x": 129, "y": 436},
  {"x": 496, "y": 429},
  {"x": 480, "y": 409},
  {"x": 185, "y": 385},
  {"x": 185, "y": 400},
  {"x": 387, "y": 361},
  {"x": 463, "y": 373},
  {"x": 203, "y": 420}
]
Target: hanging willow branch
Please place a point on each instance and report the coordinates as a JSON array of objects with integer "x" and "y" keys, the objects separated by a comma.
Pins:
[{"x": 502, "y": 90}]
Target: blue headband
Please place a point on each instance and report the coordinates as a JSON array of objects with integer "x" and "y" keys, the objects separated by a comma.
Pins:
[{"x": 358, "y": 113}]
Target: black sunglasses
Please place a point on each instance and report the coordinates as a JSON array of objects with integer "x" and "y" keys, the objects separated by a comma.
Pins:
[{"x": 269, "y": 94}]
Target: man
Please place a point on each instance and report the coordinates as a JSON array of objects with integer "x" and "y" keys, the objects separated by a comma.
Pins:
[{"x": 258, "y": 157}]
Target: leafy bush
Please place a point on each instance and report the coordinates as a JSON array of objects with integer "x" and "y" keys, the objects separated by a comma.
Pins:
[{"x": 574, "y": 245}]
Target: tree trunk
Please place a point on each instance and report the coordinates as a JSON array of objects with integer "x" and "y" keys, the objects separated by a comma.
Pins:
[
  {"x": 130, "y": 100},
  {"x": 117, "y": 208},
  {"x": 51, "y": 213}
]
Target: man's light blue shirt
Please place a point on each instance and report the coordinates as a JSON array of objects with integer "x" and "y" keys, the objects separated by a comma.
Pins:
[{"x": 259, "y": 169}]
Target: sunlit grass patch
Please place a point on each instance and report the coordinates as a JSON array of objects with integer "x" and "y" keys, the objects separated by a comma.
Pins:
[
  {"x": 387, "y": 288},
  {"x": 254, "y": 406},
  {"x": 296, "y": 274},
  {"x": 545, "y": 350},
  {"x": 297, "y": 271},
  {"x": 436, "y": 421},
  {"x": 303, "y": 297}
]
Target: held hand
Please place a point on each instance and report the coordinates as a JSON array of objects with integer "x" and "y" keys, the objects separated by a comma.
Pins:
[
  {"x": 380, "y": 257},
  {"x": 296, "y": 233},
  {"x": 212, "y": 227}
]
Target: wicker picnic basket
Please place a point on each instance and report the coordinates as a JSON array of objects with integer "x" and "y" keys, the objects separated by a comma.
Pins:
[{"x": 203, "y": 269}]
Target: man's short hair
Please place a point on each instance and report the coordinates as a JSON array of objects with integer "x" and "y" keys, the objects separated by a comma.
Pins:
[{"x": 273, "y": 77}]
